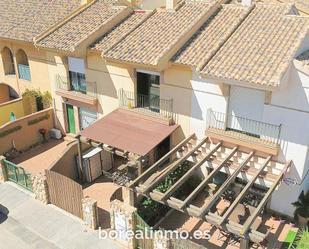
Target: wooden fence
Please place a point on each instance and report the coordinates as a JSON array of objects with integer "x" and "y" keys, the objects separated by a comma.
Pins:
[{"x": 65, "y": 193}]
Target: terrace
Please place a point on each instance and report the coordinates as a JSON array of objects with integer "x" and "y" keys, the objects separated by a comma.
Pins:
[
  {"x": 226, "y": 186},
  {"x": 77, "y": 89},
  {"x": 247, "y": 132},
  {"x": 150, "y": 105}
]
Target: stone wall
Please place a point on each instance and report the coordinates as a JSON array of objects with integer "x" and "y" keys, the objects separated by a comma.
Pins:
[
  {"x": 120, "y": 208},
  {"x": 40, "y": 188},
  {"x": 160, "y": 242},
  {"x": 90, "y": 213}
]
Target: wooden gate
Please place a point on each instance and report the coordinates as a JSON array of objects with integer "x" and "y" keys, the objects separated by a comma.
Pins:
[
  {"x": 144, "y": 228},
  {"x": 65, "y": 193}
]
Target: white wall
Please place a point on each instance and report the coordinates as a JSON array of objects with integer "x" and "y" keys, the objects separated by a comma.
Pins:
[
  {"x": 205, "y": 95},
  {"x": 290, "y": 107}
]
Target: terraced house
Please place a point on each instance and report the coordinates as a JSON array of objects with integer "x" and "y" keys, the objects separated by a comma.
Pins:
[{"x": 200, "y": 106}]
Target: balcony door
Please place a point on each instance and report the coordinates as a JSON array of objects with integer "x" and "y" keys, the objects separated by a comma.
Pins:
[
  {"x": 77, "y": 75},
  {"x": 148, "y": 90},
  {"x": 245, "y": 107}
]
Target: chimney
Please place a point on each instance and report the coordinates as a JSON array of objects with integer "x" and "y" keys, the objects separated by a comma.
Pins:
[
  {"x": 246, "y": 2},
  {"x": 171, "y": 4}
]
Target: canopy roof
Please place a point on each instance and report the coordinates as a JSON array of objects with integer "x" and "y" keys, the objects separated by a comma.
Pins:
[{"x": 128, "y": 131}]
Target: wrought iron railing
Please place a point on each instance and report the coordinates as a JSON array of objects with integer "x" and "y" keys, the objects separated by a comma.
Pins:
[
  {"x": 88, "y": 88},
  {"x": 244, "y": 127},
  {"x": 146, "y": 103},
  {"x": 24, "y": 72},
  {"x": 18, "y": 175}
]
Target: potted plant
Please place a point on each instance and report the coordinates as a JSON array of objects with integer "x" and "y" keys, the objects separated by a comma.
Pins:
[{"x": 301, "y": 213}]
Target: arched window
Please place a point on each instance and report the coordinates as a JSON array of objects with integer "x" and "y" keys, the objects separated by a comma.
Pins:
[
  {"x": 8, "y": 61},
  {"x": 23, "y": 65}
]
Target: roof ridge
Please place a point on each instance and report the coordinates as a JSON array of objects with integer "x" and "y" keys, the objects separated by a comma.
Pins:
[{"x": 63, "y": 21}]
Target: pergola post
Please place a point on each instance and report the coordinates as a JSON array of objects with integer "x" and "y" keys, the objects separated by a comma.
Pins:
[
  {"x": 80, "y": 159},
  {"x": 244, "y": 243}
]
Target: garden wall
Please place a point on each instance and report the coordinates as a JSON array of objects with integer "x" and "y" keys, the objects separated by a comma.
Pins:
[
  {"x": 24, "y": 132},
  {"x": 66, "y": 163}
]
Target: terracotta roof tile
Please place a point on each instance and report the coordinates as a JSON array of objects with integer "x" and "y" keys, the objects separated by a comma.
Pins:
[
  {"x": 23, "y": 20},
  {"x": 81, "y": 26},
  {"x": 261, "y": 49},
  {"x": 159, "y": 34},
  {"x": 120, "y": 31},
  {"x": 206, "y": 42}
]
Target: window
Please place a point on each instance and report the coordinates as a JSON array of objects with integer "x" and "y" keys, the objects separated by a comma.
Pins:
[
  {"x": 8, "y": 61},
  {"x": 77, "y": 74},
  {"x": 86, "y": 118},
  {"x": 78, "y": 82},
  {"x": 23, "y": 65},
  {"x": 148, "y": 91}
]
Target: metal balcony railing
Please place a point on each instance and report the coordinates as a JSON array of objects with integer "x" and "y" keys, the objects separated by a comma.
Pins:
[
  {"x": 86, "y": 87},
  {"x": 146, "y": 103},
  {"x": 244, "y": 127}
]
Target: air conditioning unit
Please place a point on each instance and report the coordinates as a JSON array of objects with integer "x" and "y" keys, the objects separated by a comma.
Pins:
[{"x": 55, "y": 133}]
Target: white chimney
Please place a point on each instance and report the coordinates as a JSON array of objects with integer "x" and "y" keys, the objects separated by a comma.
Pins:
[{"x": 171, "y": 4}]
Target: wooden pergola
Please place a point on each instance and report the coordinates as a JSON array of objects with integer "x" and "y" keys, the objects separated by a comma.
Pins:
[{"x": 217, "y": 156}]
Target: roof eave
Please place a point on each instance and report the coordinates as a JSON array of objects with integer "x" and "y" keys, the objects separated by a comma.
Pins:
[{"x": 240, "y": 83}]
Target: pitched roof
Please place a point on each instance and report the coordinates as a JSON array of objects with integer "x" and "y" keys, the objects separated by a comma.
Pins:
[
  {"x": 261, "y": 49},
  {"x": 211, "y": 36},
  {"x": 23, "y": 20},
  {"x": 81, "y": 26},
  {"x": 120, "y": 31},
  {"x": 159, "y": 34}
]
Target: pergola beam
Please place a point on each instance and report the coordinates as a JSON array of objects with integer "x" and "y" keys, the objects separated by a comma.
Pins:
[
  {"x": 263, "y": 202},
  {"x": 208, "y": 178},
  {"x": 173, "y": 166},
  {"x": 225, "y": 185},
  {"x": 184, "y": 178},
  {"x": 244, "y": 191},
  {"x": 159, "y": 162}
]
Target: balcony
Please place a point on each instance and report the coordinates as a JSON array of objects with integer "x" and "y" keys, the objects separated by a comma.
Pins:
[
  {"x": 150, "y": 105},
  {"x": 85, "y": 92},
  {"x": 261, "y": 136}
]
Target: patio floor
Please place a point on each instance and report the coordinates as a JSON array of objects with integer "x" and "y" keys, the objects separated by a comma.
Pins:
[
  {"x": 183, "y": 222},
  {"x": 41, "y": 156},
  {"x": 103, "y": 191}
]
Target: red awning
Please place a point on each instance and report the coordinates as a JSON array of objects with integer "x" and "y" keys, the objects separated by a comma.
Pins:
[{"x": 128, "y": 132}]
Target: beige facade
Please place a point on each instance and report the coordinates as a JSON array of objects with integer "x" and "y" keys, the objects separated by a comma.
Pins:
[{"x": 38, "y": 64}]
